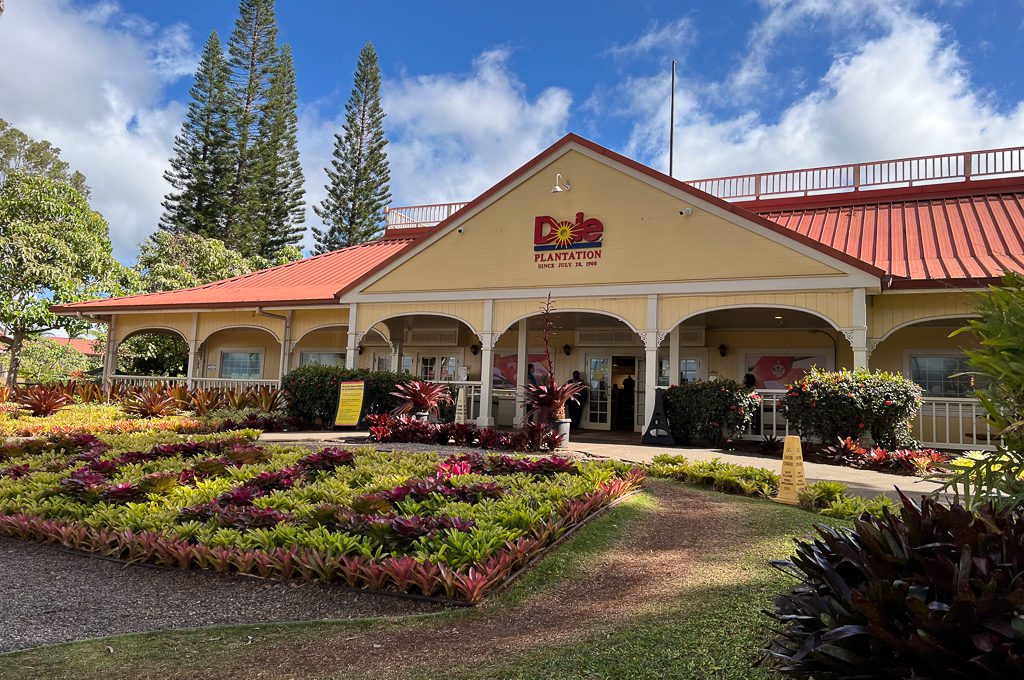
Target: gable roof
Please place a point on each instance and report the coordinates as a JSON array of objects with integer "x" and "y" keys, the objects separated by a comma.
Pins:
[
  {"x": 966, "y": 235},
  {"x": 314, "y": 280}
]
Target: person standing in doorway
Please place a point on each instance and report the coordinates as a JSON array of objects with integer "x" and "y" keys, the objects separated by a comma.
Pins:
[
  {"x": 575, "y": 406},
  {"x": 531, "y": 377}
]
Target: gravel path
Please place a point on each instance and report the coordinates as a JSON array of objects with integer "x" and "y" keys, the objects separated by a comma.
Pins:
[{"x": 50, "y": 596}]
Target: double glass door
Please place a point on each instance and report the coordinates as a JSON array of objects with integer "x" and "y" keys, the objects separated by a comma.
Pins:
[{"x": 599, "y": 413}]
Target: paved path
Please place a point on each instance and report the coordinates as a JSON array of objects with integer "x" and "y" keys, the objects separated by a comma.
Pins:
[{"x": 865, "y": 483}]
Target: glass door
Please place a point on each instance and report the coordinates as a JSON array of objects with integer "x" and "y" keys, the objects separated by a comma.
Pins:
[
  {"x": 599, "y": 378},
  {"x": 638, "y": 398}
]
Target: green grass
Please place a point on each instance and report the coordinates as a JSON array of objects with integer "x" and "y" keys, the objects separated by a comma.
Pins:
[{"x": 712, "y": 628}]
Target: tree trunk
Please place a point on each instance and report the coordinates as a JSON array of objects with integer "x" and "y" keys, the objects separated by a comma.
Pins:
[{"x": 14, "y": 354}]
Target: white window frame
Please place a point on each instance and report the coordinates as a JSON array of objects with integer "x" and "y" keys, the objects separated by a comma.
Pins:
[
  {"x": 322, "y": 350},
  {"x": 420, "y": 351},
  {"x": 247, "y": 350},
  {"x": 908, "y": 354}
]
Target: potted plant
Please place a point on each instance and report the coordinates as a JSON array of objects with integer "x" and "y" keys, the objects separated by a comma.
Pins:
[
  {"x": 547, "y": 402},
  {"x": 421, "y": 398}
]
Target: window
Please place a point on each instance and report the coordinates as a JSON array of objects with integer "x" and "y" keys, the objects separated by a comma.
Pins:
[
  {"x": 938, "y": 375},
  {"x": 241, "y": 365},
  {"x": 439, "y": 366},
  {"x": 323, "y": 358},
  {"x": 689, "y": 370}
]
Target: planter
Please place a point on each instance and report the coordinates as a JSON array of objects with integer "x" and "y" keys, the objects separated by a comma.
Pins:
[{"x": 562, "y": 427}]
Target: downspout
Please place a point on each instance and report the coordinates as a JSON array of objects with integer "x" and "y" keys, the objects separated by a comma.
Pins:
[
  {"x": 109, "y": 363},
  {"x": 286, "y": 340}
]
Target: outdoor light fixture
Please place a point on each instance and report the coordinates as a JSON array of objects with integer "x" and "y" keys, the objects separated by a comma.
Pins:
[
  {"x": 561, "y": 184},
  {"x": 567, "y": 349},
  {"x": 360, "y": 350},
  {"x": 475, "y": 349},
  {"x": 723, "y": 350}
]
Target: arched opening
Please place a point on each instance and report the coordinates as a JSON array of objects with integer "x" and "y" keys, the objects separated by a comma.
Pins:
[
  {"x": 238, "y": 356},
  {"x": 159, "y": 352},
  {"x": 322, "y": 345},
  {"x": 926, "y": 352},
  {"x": 430, "y": 347},
  {"x": 607, "y": 353}
]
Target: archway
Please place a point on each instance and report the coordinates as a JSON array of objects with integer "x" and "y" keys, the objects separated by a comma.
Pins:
[
  {"x": 238, "y": 356},
  {"x": 158, "y": 352}
]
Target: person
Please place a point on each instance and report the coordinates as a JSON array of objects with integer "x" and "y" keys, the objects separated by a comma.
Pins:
[
  {"x": 575, "y": 406},
  {"x": 749, "y": 382},
  {"x": 750, "y": 385},
  {"x": 530, "y": 376},
  {"x": 629, "y": 385}
]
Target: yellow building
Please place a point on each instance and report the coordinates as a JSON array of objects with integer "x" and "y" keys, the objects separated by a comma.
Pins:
[{"x": 653, "y": 281}]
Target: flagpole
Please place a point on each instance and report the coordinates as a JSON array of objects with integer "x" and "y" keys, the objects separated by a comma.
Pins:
[{"x": 672, "y": 121}]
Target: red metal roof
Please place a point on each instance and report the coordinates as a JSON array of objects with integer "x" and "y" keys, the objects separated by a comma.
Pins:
[
  {"x": 961, "y": 235},
  {"x": 314, "y": 280}
]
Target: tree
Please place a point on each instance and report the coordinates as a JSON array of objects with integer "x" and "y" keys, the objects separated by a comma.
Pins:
[
  {"x": 53, "y": 249},
  {"x": 21, "y": 153},
  {"x": 202, "y": 169},
  {"x": 281, "y": 211},
  {"x": 252, "y": 53},
  {"x": 45, "y": 360},
  {"x": 358, "y": 179}
]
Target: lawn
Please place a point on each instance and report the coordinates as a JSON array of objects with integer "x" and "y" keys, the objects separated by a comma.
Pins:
[
  {"x": 671, "y": 583},
  {"x": 415, "y": 523}
]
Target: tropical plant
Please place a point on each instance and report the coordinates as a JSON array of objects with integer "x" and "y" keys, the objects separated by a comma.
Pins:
[
  {"x": 419, "y": 396},
  {"x": 839, "y": 404},
  {"x": 312, "y": 391},
  {"x": 267, "y": 399},
  {"x": 152, "y": 401},
  {"x": 42, "y": 400},
  {"x": 708, "y": 411},
  {"x": 932, "y": 592}
]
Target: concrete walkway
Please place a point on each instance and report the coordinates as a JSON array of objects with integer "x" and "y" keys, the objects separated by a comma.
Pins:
[{"x": 864, "y": 483}]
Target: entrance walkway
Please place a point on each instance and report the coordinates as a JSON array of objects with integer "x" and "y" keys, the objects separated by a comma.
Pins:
[{"x": 624, "y": 446}]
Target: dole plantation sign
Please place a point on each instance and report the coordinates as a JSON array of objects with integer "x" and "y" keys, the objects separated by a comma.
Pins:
[{"x": 559, "y": 244}]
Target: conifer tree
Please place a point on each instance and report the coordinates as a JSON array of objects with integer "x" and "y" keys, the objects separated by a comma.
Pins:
[
  {"x": 276, "y": 157},
  {"x": 252, "y": 54},
  {"x": 358, "y": 178},
  {"x": 203, "y": 164}
]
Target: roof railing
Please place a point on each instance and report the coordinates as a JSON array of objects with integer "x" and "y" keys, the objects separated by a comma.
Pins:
[
  {"x": 829, "y": 179},
  {"x": 851, "y": 177}
]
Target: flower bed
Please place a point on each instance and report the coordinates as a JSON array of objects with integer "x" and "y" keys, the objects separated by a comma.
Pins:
[
  {"x": 909, "y": 461},
  {"x": 412, "y": 523},
  {"x": 532, "y": 437}
]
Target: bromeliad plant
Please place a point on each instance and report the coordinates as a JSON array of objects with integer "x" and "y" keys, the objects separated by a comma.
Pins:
[
  {"x": 409, "y": 522},
  {"x": 548, "y": 402},
  {"x": 419, "y": 396}
]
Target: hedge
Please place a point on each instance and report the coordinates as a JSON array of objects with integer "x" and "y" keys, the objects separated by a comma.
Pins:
[
  {"x": 313, "y": 391},
  {"x": 834, "y": 405},
  {"x": 708, "y": 411}
]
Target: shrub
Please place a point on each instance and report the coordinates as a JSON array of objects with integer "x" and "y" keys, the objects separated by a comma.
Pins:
[
  {"x": 43, "y": 400},
  {"x": 840, "y": 404},
  {"x": 419, "y": 396},
  {"x": 153, "y": 401},
  {"x": 709, "y": 411},
  {"x": 935, "y": 592},
  {"x": 850, "y": 453},
  {"x": 312, "y": 391}
]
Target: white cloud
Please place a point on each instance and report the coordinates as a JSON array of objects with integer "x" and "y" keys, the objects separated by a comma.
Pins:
[
  {"x": 669, "y": 37},
  {"x": 91, "y": 81},
  {"x": 451, "y": 135},
  {"x": 906, "y": 92}
]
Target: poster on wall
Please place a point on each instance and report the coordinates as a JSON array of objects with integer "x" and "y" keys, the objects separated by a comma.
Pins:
[
  {"x": 506, "y": 367},
  {"x": 775, "y": 371}
]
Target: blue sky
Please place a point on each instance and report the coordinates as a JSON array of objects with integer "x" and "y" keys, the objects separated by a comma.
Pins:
[{"x": 472, "y": 91}]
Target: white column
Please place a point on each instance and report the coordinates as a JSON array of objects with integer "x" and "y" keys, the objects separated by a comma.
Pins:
[
  {"x": 673, "y": 357},
  {"x": 652, "y": 338},
  {"x": 857, "y": 335},
  {"x": 192, "y": 369},
  {"x": 110, "y": 360},
  {"x": 487, "y": 338},
  {"x": 521, "y": 362},
  {"x": 286, "y": 347},
  {"x": 352, "y": 347}
]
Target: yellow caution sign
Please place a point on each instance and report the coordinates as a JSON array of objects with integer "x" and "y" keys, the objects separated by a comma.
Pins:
[
  {"x": 792, "y": 480},
  {"x": 460, "y": 406},
  {"x": 350, "y": 403}
]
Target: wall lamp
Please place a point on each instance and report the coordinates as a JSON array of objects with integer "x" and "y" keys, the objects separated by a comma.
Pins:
[
  {"x": 567, "y": 349},
  {"x": 475, "y": 349},
  {"x": 561, "y": 184},
  {"x": 723, "y": 350}
]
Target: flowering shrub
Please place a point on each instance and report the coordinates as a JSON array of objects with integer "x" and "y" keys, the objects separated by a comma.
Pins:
[
  {"x": 708, "y": 411},
  {"x": 407, "y": 522},
  {"x": 532, "y": 437},
  {"x": 840, "y": 404}
]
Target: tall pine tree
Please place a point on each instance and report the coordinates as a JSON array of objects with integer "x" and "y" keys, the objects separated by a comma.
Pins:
[
  {"x": 358, "y": 179},
  {"x": 278, "y": 172},
  {"x": 202, "y": 169}
]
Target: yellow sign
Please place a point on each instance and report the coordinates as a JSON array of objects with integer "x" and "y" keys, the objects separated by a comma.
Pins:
[
  {"x": 792, "y": 480},
  {"x": 350, "y": 403},
  {"x": 460, "y": 406}
]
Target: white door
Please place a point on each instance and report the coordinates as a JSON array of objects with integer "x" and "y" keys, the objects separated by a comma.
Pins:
[{"x": 599, "y": 380}]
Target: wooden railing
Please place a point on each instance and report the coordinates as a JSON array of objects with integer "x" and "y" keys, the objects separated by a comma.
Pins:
[
  {"x": 146, "y": 380},
  {"x": 207, "y": 383},
  {"x": 942, "y": 423},
  {"x": 900, "y": 172}
]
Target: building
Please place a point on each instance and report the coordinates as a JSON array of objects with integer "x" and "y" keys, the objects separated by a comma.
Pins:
[{"x": 654, "y": 281}]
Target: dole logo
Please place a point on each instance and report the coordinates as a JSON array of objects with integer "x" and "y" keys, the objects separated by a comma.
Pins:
[{"x": 552, "y": 234}]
